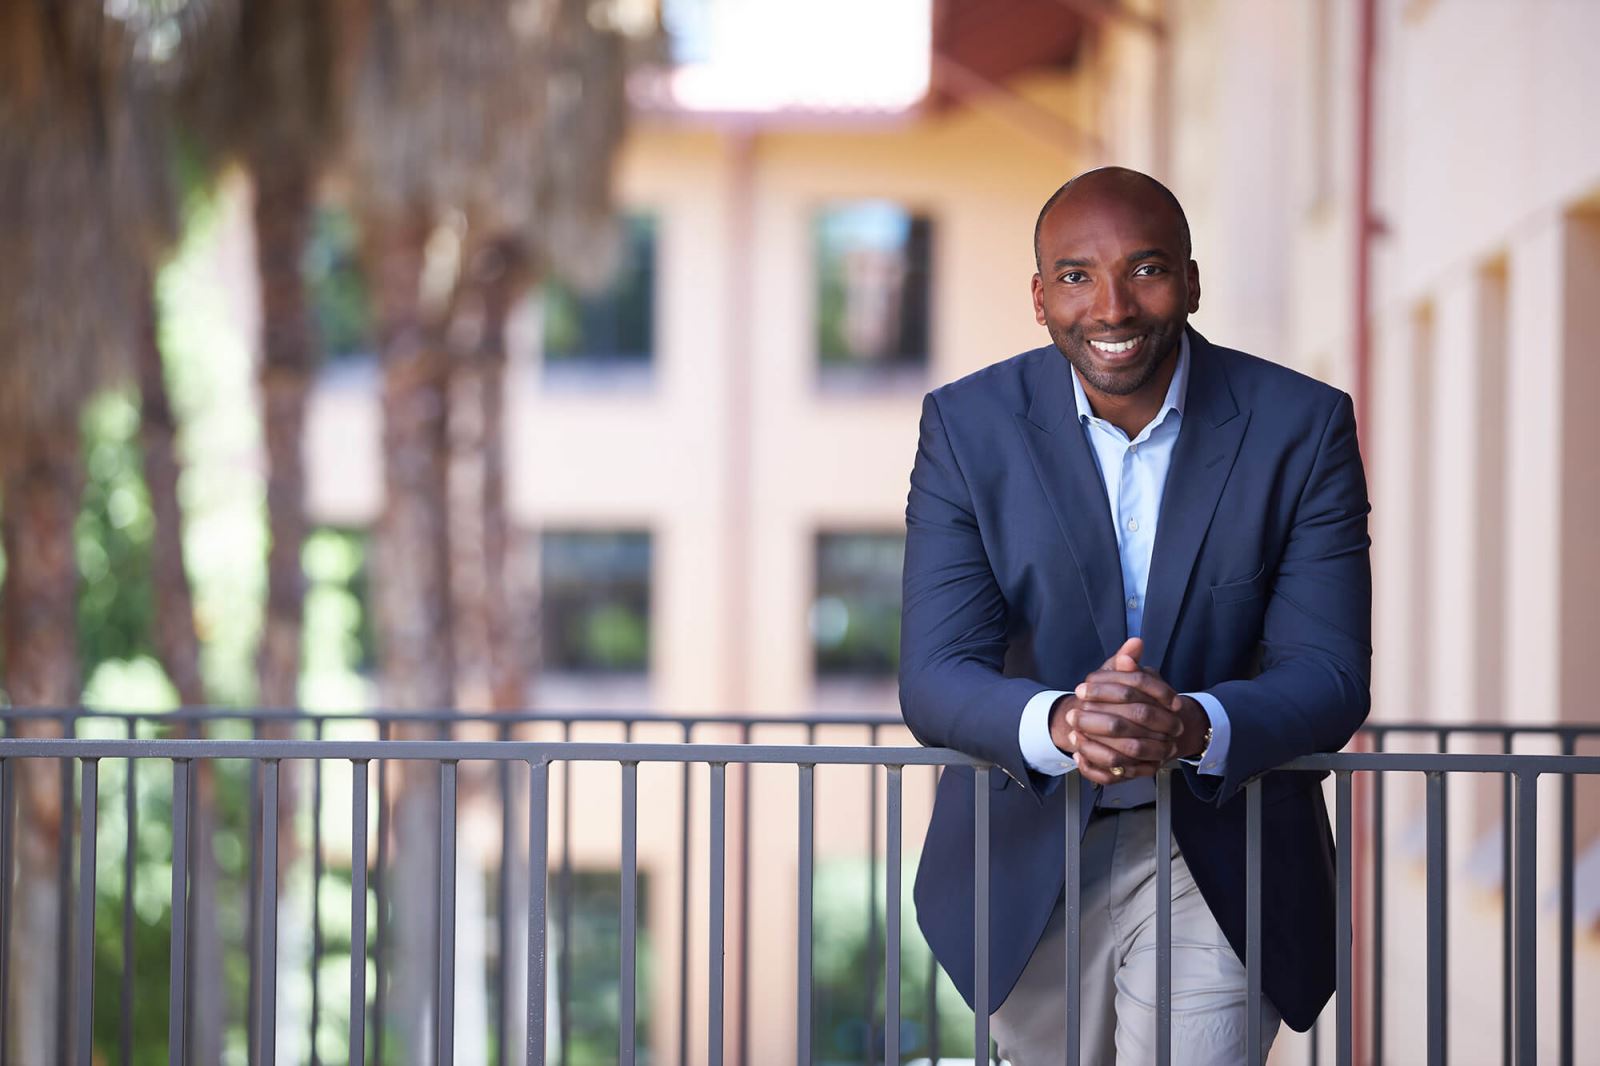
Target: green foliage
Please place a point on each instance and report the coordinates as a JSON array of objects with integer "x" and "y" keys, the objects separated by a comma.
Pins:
[
  {"x": 113, "y": 534},
  {"x": 340, "y": 304},
  {"x": 841, "y": 966}
]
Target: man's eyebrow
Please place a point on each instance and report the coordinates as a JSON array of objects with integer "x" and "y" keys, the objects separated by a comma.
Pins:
[
  {"x": 1062, "y": 264},
  {"x": 1149, "y": 253}
]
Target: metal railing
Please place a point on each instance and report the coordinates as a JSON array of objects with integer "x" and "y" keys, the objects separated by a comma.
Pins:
[{"x": 79, "y": 814}]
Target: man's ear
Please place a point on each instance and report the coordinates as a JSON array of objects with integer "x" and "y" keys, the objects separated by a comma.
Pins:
[
  {"x": 1193, "y": 272},
  {"x": 1038, "y": 299}
]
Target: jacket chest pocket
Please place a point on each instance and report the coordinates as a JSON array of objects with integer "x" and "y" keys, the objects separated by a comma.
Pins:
[{"x": 1245, "y": 588}]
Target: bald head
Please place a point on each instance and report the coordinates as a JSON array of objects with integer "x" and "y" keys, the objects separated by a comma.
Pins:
[{"x": 1116, "y": 186}]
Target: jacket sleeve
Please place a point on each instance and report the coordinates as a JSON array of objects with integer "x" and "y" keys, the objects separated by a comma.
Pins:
[
  {"x": 1313, "y": 691},
  {"x": 953, "y": 691}
]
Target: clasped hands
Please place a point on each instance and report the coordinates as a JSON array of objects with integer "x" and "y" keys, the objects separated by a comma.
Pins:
[{"x": 1125, "y": 722}]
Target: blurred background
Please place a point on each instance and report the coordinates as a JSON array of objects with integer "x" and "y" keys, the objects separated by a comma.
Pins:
[{"x": 498, "y": 355}]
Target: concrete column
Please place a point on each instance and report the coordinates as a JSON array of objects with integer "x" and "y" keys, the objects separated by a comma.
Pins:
[{"x": 1394, "y": 505}]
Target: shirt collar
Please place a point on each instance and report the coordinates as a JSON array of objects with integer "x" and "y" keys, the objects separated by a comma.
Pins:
[{"x": 1177, "y": 391}]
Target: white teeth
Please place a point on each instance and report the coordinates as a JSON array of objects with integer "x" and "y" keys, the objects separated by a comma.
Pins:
[{"x": 1122, "y": 346}]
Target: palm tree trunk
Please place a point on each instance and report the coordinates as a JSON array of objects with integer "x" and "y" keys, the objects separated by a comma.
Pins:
[
  {"x": 177, "y": 643},
  {"x": 282, "y": 220},
  {"x": 38, "y": 607},
  {"x": 412, "y": 599}
]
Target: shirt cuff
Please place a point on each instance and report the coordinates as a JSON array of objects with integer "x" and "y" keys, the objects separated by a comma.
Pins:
[
  {"x": 1033, "y": 735},
  {"x": 1214, "y": 760}
]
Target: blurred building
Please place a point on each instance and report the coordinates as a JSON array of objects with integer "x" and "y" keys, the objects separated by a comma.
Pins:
[{"x": 829, "y": 212}]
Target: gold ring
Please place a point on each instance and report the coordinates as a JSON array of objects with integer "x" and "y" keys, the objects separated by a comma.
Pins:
[{"x": 1116, "y": 771}]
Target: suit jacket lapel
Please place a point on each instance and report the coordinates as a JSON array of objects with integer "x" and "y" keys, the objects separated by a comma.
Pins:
[
  {"x": 1208, "y": 442},
  {"x": 1071, "y": 480}
]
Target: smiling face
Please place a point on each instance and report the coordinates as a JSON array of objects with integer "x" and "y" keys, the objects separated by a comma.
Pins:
[{"x": 1116, "y": 286}]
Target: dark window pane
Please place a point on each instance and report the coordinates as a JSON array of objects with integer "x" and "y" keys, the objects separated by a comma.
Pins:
[
  {"x": 855, "y": 619},
  {"x": 615, "y": 324},
  {"x": 873, "y": 260},
  {"x": 340, "y": 307},
  {"x": 595, "y": 613}
]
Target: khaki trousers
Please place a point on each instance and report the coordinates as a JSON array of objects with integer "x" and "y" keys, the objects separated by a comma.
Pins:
[{"x": 1118, "y": 898}]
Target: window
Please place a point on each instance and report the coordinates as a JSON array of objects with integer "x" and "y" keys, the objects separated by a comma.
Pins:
[
  {"x": 340, "y": 307},
  {"x": 595, "y": 592},
  {"x": 855, "y": 619},
  {"x": 614, "y": 327},
  {"x": 873, "y": 294}
]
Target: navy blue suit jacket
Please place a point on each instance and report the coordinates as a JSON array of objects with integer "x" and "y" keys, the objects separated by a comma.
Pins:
[{"x": 1259, "y": 592}]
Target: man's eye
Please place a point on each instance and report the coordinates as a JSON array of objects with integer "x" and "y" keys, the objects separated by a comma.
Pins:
[
  {"x": 1146, "y": 270},
  {"x": 1073, "y": 277}
]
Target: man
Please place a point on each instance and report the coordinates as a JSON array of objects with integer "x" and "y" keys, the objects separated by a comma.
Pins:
[{"x": 1128, "y": 548}]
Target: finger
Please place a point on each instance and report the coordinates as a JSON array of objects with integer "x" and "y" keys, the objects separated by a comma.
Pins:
[
  {"x": 1139, "y": 749},
  {"x": 1108, "y": 760},
  {"x": 1151, "y": 687},
  {"x": 1101, "y": 723},
  {"x": 1145, "y": 717},
  {"x": 1127, "y": 656}
]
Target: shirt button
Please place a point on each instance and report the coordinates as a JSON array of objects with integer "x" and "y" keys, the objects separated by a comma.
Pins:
[
  {"x": 1133, "y": 603},
  {"x": 1134, "y": 448},
  {"x": 1133, "y": 525}
]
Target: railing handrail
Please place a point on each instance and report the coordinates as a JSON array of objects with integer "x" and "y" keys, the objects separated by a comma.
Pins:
[{"x": 640, "y": 752}]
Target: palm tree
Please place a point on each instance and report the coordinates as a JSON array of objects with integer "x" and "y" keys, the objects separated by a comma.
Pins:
[{"x": 464, "y": 116}]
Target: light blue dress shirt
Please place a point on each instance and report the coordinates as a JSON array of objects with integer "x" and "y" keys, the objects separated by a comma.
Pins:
[{"x": 1135, "y": 476}]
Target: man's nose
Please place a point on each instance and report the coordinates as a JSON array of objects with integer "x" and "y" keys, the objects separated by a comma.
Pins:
[{"x": 1113, "y": 302}]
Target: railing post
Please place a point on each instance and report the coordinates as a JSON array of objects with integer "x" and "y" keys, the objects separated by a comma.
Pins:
[
  {"x": 88, "y": 835},
  {"x": 1072, "y": 786},
  {"x": 1438, "y": 921},
  {"x": 1525, "y": 904},
  {"x": 803, "y": 965},
  {"x": 1254, "y": 1051},
  {"x": 178, "y": 983},
  {"x": 1344, "y": 933},
  {"x": 627, "y": 975},
  {"x": 267, "y": 979},
  {"x": 891, "y": 967},
  {"x": 358, "y": 911},
  {"x": 538, "y": 899},
  {"x": 716, "y": 887},
  {"x": 980, "y": 914},
  {"x": 446, "y": 1053},
  {"x": 1163, "y": 917},
  {"x": 130, "y": 860}
]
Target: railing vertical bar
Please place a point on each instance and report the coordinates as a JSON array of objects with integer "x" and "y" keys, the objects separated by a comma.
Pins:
[
  {"x": 358, "y": 911},
  {"x": 130, "y": 859},
  {"x": 538, "y": 901},
  {"x": 933, "y": 963},
  {"x": 267, "y": 980},
  {"x": 803, "y": 954},
  {"x": 380, "y": 999},
  {"x": 627, "y": 970},
  {"x": 717, "y": 886},
  {"x": 870, "y": 1015},
  {"x": 446, "y": 991},
  {"x": 1344, "y": 934},
  {"x": 1506, "y": 963},
  {"x": 1378, "y": 903},
  {"x": 891, "y": 904},
  {"x": 564, "y": 943},
  {"x": 1163, "y": 917},
  {"x": 980, "y": 914},
  {"x": 744, "y": 902},
  {"x": 253, "y": 921},
  {"x": 1072, "y": 786},
  {"x": 1438, "y": 930},
  {"x": 88, "y": 839},
  {"x": 178, "y": 978},
  {"x": 8, "y": 770},
  {"x": 503, "y": 909},
  {"x": 684, "y": 878},
  {"x": 63, "y": 911},
  {"x": 1564, "y": 1025},
  {"x": 314, "y": 1022},
  {"x": 1525, "y": 907},
  {"x": 1252, "y": 905}
]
